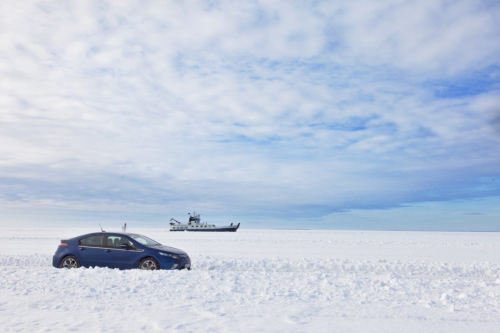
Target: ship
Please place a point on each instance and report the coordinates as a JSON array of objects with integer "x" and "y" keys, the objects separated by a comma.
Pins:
[{"x": 195, "y": 224}]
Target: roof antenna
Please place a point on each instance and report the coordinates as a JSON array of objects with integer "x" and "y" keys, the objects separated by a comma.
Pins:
[{"x": 101, "y": 227}]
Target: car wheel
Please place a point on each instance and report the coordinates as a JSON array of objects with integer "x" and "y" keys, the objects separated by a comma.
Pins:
[
  {"x": 70, "y": 262},
  {"x": 149, "y": 264}
]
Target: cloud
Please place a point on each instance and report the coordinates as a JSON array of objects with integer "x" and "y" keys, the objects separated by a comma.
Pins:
[
  {"x": 434, "y": 37},
  {"x": 269, "y": 108}
]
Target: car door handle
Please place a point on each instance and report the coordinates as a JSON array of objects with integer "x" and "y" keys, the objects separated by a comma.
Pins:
[
  {"x": 108, "y": 250},
  {"x": 82, "y": 248}
]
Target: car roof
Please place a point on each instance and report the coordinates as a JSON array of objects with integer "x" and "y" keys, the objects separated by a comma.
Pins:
[{"x": 105, "y": 233}]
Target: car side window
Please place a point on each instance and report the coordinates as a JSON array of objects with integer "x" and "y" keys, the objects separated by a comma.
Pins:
[
  {"x": 113, "y": 241},
  {"x": 116, "y": 241},
  {"x": 130, "y": 244},
  {"x": 92, "y": 241}
]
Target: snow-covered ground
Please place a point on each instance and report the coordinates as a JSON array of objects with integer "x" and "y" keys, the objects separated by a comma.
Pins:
[{"x": 261, "y": 281}]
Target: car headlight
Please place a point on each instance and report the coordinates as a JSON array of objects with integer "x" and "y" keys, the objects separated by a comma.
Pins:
[{"x": 171, "y": 255}]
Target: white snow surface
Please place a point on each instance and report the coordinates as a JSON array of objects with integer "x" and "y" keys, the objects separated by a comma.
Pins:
[{"x": 261, "y": 281}]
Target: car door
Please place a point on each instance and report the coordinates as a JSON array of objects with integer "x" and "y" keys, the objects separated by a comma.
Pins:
[
  {"x": 118, "y": 256},
  {"x": 91, "y": 250}
]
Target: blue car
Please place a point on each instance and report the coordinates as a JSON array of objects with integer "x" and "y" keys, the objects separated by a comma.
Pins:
[{"x": 118, "y": 250}]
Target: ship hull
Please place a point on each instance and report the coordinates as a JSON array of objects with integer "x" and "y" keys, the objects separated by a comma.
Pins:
[{"x": 204, "y": 229}]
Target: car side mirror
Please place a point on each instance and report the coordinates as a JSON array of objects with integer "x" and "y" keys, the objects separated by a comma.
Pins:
[{"x": 124, "y": 246}]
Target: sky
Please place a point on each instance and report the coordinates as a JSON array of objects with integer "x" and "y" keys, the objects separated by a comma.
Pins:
[{"x": 277, "y": 114}]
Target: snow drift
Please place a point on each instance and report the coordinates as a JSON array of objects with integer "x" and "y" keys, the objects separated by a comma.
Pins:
[{"x": 262, "y": 280}]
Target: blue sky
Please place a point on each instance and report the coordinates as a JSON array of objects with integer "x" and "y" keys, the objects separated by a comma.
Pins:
[{"x": 283, "y": 114}]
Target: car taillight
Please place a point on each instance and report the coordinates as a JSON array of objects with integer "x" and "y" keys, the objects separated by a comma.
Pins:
[{"x": 63, "y": 244}]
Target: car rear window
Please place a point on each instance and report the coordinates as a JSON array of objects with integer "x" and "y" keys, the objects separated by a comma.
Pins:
[{"x": 92, "y": 240}]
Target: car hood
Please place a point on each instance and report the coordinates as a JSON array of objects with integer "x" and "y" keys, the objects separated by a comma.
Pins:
[{"x": 169, "y": 249}]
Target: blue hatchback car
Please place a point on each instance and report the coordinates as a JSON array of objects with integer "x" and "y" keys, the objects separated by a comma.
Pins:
[{"x": 118, "y": 250}]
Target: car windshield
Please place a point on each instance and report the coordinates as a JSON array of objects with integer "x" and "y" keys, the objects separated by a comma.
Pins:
[{"x": 144, "y": 240}]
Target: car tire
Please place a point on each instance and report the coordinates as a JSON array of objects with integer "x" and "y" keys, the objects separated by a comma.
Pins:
[
  {"x": 70, "y": 262},
  {"x": 149, "y": 264}
]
